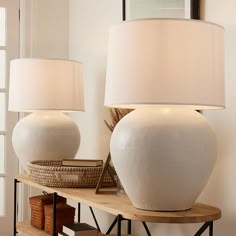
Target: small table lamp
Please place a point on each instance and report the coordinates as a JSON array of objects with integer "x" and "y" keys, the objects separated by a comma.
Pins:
[
  {"x": 46, "y": 87},
  {"x": 164, "y": 151}
]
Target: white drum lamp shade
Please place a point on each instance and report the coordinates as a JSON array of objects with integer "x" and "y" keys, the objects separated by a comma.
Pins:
[
  {"x": 165, "y": 62},
  {"x": 45, "y": 84},
  {"x": 45, "y": 87},
  {"x": 166, "y": 69}
]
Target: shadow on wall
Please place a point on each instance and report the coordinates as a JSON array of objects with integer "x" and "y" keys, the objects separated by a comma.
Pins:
[
  {"x": 103, "y": 145},
  {"x": 95, "y": 136}
]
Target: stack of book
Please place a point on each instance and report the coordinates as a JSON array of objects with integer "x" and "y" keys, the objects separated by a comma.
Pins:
[{"x": 78, "y": 229}]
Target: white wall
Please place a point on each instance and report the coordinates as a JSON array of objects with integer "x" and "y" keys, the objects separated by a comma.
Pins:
[
  {"x": 221, "y": 190},
  {"x": 44, "y": 28},
  {"x": 89, "y": 24},
  {"x": 90, "y": 21}
]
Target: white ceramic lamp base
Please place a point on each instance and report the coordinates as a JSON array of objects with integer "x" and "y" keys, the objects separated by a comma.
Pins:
[
  {"x": 45, "y": 136},
  {"x": 163, "y": 157}
]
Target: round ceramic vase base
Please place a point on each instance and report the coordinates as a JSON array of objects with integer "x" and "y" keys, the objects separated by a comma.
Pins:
[
  {"x": 45, "y": 136},
  {"x": 163, "y": 157}
]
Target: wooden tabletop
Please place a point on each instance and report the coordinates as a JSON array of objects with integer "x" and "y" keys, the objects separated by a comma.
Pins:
[{"x": 115, "y": 204}]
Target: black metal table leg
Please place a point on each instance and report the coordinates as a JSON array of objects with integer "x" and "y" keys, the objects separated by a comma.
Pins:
[
  {"x": 202, "y": 229},
  {"x": 79, "y": 212},
  {"x": 94, "y": 217},
  {"x": 54, "y": 214},
  {"x": 119, "y": 219},
  {"x": 211, "y": 228},
  {"x": 129, "y": 227},
  {"x": 15, "y": 206},
  {"x": 146, "y": 229},
  {"x": 112, "y": 226},
  {"x": 123, "y": 10}
]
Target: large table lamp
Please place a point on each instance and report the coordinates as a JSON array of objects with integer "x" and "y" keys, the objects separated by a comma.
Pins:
[
  {"x": 165, "y": 69},
  {"x": 45, "y": 87}
]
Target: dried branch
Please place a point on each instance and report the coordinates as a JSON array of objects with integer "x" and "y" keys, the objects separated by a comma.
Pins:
[{"x": 116, "y": 115}]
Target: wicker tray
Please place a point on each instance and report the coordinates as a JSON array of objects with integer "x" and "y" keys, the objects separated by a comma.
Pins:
[{"x": 51, "y": 173}]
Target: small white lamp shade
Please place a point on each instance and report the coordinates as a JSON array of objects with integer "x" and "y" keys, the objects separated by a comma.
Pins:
[
  {"x": 46, "y": 84},
  {"x": 45, "y": 87},
  {"x": 165, "y": 62}
]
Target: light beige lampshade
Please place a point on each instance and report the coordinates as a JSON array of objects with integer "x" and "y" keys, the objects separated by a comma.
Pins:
[
  {"x": 165, "y": 62},
  {"x": 45, "y": 84}
]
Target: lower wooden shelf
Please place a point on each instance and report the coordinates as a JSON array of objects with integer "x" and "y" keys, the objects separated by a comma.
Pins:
[{"x": 26, "y": 229}]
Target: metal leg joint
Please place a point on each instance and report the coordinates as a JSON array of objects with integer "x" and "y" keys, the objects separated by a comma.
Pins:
[{"x": 204, "y": 227}]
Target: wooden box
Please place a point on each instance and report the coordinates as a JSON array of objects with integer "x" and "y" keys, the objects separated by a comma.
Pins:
[
  {"x": 64, "y": 215},
  {"x": 37, "y": 204}
]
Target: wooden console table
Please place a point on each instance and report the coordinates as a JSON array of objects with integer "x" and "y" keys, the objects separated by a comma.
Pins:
[{"x": 121, "y": 207}]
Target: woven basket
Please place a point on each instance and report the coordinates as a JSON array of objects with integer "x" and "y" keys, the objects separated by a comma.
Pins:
[
  {"x": 37, "y": 204},
  {"x": 51, "y": 173}
]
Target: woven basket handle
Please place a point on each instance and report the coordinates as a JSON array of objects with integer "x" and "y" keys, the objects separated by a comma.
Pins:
[{"x": 69, "y": 177}]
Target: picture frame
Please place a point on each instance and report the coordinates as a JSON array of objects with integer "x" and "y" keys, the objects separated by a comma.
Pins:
[{"x": 140, "y": 9}]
